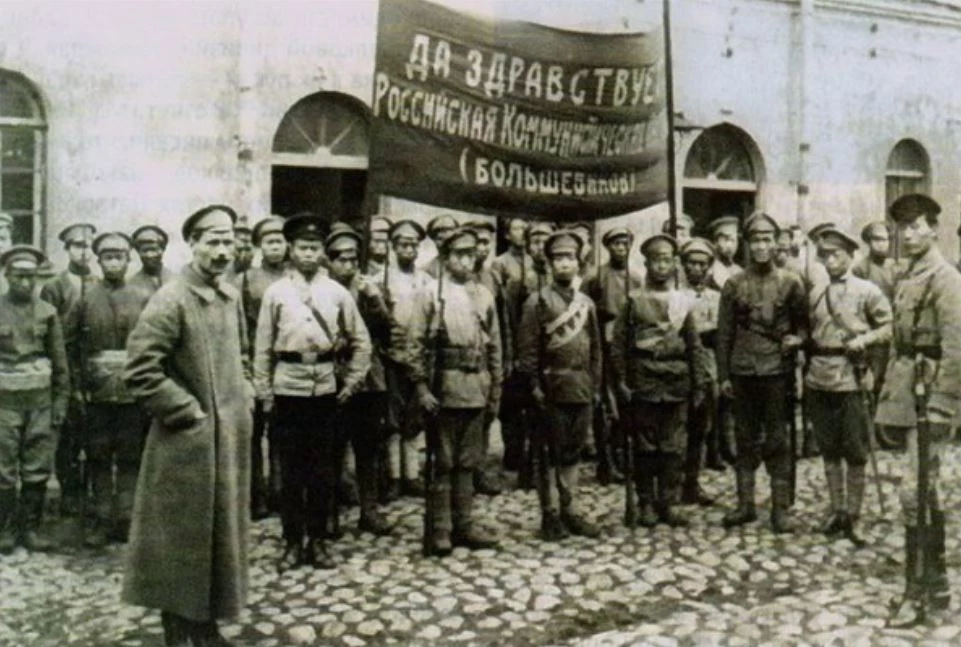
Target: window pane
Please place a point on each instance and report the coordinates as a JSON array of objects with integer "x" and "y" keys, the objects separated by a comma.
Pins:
[
  {"x": 16, "y": 149},
  {"x": 14, "y": 100},
  {"x": 23, "y": 229},
  {"x": 16, "y": 191},
  {"x": 322, "y": 121},
  {"x": 719, "y": 154}
]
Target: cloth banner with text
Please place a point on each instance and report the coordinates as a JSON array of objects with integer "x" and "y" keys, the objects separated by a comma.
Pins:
[{"x": 510, "y": 117}]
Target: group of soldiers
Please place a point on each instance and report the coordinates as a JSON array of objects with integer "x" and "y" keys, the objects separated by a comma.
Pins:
[{"x": 660, "y": 369}]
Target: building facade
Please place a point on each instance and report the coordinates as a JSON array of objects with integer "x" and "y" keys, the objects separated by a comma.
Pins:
[{"x": 809, "y": 109}]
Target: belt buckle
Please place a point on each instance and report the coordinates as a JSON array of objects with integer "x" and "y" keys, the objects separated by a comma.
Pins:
[{"x": 310, "y": 357}]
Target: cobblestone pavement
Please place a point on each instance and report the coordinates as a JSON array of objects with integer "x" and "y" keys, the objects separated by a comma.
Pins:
[{"x": 696, "y": 586}]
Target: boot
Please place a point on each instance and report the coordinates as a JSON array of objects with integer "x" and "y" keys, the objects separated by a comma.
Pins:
[
  {"x": 293, "y": 555},
  {"x": 485, "y": 484},
  {"x": 909, "y": 610},
  {"x": 375, "y": 523},
  {"x": 644, "y": 475},
  {"x": 781, "y": 521},
  {"x": 413, "y": 487},
  {"x": 552, "y": 528},
  {"x": 440, "y": 544},
  {"x": 576, "y": 524},
  {"x": 347, "y": 494},
  {"x": 669, "y": 470},
  {"x": 8, "y": 507},
  {"x": 855, "y": 491},
  {"x": 693, "y": 494},
  {"x": 316, "y": 555},
  {"x": 936, "y": 570},
  {"x": 648, "y": 516},
  {"x": 745, "y": 511},
  {"x": 371, "y": 520},
  {"x": 391, "y": 491},
  {"x": 33, "y": 538},
  {"x": 607, "y": 472},
  {"x": 207, "y": 634},
  {"x": 834, "y": 475},
  {"x": 176, "y": 630},
  {"x": 462, "y": 503}
]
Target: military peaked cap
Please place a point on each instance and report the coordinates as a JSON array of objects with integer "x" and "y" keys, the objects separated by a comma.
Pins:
[
  {"x": 442, "y": 223},
  {"x": 269, "y": 225},
  {"x": 209, "y": 217},
  {"x": 304, "y": 226},
  {"x": 724, "y": 221},
  {"x": 112, "y": 241},
  {"x": 657, "y": 240},
  {"x": 77, "y": 231},
  {"x": 760, "y": 222},
  {"x": 816, "y": 230},
  {"x": 23, "y": 257},
  {"x": 698, "y": 246},
  {"x": 459, "y": 238},
  {"x": 834, "y": 238},
  {"x": 563, "y": 240},
  {"x": 151, "y": 233},
  {"x": 870, "y": 228},
  {"x": 407, "y": 229},
  {"x": 617, "y": 232},
  {"x": 342, "y": 237},
  {"x": 910, "y": 207},
  {"x": 683, "y": 220}
]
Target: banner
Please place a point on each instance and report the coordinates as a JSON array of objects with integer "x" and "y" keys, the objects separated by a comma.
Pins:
[{"x": 516, "y": 118}]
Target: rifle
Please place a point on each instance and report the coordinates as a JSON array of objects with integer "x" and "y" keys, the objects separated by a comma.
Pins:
[
  {"x": 430, "y": 422},
  {"x": 868, "y": 406},
  {"x": 792, "y": 402},
  {"x": 627, "y": 430},
  {"x": 546, "y": 449},
  {"x": 527, "y": 442},
  {"x": 82, "y": 472},
  {"x": 924, "y": 460}
]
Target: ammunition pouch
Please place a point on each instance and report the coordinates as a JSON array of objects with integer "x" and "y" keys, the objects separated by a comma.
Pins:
[{"x": 30, "y": 375}]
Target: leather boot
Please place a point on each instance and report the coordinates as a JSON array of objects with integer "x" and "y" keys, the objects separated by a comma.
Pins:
[
  {"x": 834, "y": 475},
  {"x": 781, "y": 521},
  {"x": 207, "y": 634},
  {"x": 177, "y": 630},
  {"x": 855, "y": 495},
  {"x": 668, "y": 478},
  {"x": 936, "y": 570},
  {"x": 576, "y": 524},
  {"x": 293, "y": 555},
  {"x": 8, "y": 507},
  {"x": 552, "y": 528},
  {"x": 745, "y": 511},
  {"x": 485, "y": 483},
  {"x": 693, "y": 494},
  {"x": 374, "y": 522},
  {"x": 32, "y": 496},
  {"x": 909, "y": 610},
  {"x": 371, "y": 520},
  {"x": 645, "y": 475},
  {"x": 316, "y": 555},
  {"x": 464, "y": 532}
]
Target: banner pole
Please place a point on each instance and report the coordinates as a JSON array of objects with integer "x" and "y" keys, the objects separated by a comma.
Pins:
[{"x": 669, "y": 107}]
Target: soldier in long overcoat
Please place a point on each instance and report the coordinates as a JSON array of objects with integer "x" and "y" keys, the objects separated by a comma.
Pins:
[{"x": 188, "y": 553}]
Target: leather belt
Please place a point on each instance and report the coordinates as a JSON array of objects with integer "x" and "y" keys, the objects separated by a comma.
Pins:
[
  {"x": 647, "y": 353},
  {"x": 709, "y": 339},
  {"x": 466, "y": 360},
  {"x": 910, "y": 350},
  {"x": 828, "y": 351},
  {"x": 294, "y": 357}
]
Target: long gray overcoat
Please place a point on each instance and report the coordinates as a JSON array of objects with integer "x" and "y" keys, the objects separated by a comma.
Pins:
[{"x": 187, "y": 552}]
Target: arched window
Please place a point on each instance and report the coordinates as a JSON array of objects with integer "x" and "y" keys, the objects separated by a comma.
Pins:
[
  {"x": 22, "y": 156},
  {"x": 320, "y": 158},
  {"x": 908, "y": 171},
  {"x": 722, "y": 175}
]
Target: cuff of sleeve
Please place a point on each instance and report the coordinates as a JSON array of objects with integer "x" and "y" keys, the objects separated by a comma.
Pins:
[
  {"x": 944, "y": 403},
  {"x": 183, "y": 417}
]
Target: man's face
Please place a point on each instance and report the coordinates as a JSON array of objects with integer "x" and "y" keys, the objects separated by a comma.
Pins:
[
  {"x": 879, "y": 243},
  {"x": 306, "y": 255},
  {"x": 483, "y": 248},
  {"x": 782, "y": 250},
  {"x": 243, "y": 251},
  {"x": 835, "y": 261},
  {"x": 564, "y": 265},
  {"x": 535, "y": 247},
  {"x": 683, "y": 234},
  {"x": 151, "y": 254},
  {"x": 726, "y": 244},
  {"x": 696, "y": 266},
  {"x": 460, "y": 263},
  {"x": 378, "y": 247},
  {"x": 21, "y": 282},
  {"x": 78, "y": 251},
  {"x": 761, "y": 245},
  {"x": 213, "y": 251},
  {"x": 917, "y": 236},
  {"x": 619, "y": 248},
  {"x": 406, "y": 250},
  {"x": 343, "y": 267},
  {"x": 660, "y": 264},
  {"x": 515, "y": 232},
  {"x": 273, "y": 248},
  {"x": 113, "y": 264}
]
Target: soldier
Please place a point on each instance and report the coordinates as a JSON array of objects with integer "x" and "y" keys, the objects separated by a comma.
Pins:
[
  {"x": 379, "y": 246},
  {"x": 697, "y": 256},
  {"x": 404, "y": 282},
  {"x": 653, "y": 356},
  {"x": 760, "y": 327},
  {"x": 725, "y": 234},
  {"x": 34, "y": 389},
  {"x": 460, "y": 323},
  {"x": 308, "y": 324},
  {"x": 268, "y": 237},
  {"x": 608, "y": 289},
  {"x": 65, "y": 292},
  {"x": 848, "y": 316},
  {"x": 150, "y": 241},
  {"x": 486, "y": 480},
  {"x": 924, "y": 375},
  {"x": 364, "y": 416},
  {"x": 559, "y": 357},
  {"x": 186, "y": 366},
  {"x": 243, "y": 250},
  {"x": 681, "y": 230},
  {"x": 437, "y": 230},
  {"x": 99, "y": 334}
]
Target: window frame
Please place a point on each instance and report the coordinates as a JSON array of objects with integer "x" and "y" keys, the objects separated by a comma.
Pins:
[{"x": 38, "y": 127}]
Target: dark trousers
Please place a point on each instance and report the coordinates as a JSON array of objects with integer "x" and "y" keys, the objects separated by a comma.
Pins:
[
  {"x": 115, "y": 437},
  {"x": 840, "y": 423},
  {"x": 514, "y": 428},
  {"x": 660, "y": 440},
  {"x": 311, "y": 446},
  {"x": 68, "y": 450},
  {"x": 700, "y": 426},
  {"x": 458, "y": 450},
  {"x": 364, "y": 421},
  {"x": 761, "y": 416}
]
